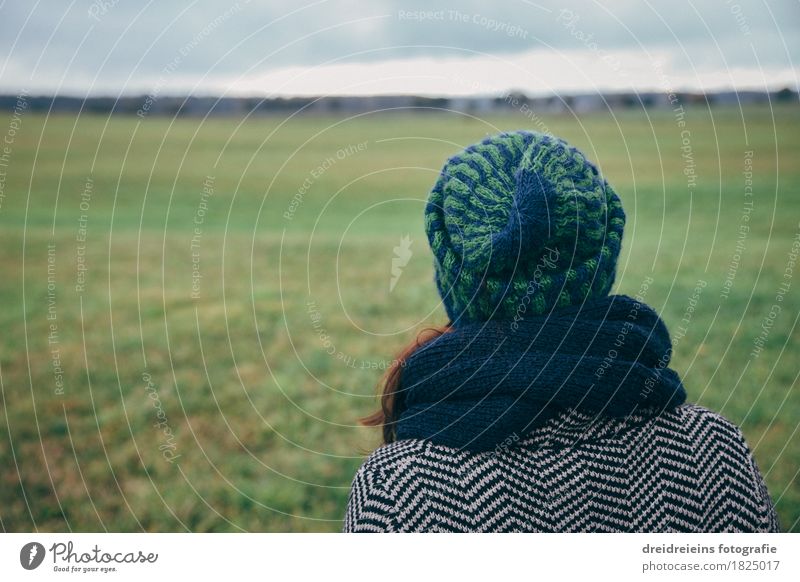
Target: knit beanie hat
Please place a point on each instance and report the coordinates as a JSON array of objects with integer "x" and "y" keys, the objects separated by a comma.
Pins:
[{"x": 519, "y": 224}]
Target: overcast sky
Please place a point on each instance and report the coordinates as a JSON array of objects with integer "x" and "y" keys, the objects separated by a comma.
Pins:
[{"x": 295, "y": 47}]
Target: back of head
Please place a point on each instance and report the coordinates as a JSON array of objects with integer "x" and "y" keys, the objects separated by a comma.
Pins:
[{"x": 519, "y": 223}]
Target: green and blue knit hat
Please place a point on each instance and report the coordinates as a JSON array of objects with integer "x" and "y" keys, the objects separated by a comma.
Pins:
[{"x": 521, "y": 223}]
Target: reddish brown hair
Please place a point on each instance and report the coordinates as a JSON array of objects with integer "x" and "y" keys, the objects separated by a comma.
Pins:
[{"x": 386, "y": 417}]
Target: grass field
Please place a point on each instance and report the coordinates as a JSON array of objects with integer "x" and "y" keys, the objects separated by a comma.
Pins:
[{"x": 195, "y": 313}]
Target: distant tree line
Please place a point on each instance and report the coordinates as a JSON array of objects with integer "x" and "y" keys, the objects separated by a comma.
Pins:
[{"x": 158, "y": 105}]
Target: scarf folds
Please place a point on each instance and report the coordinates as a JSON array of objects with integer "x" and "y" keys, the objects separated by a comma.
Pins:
[{"x": 484, "y": 383}]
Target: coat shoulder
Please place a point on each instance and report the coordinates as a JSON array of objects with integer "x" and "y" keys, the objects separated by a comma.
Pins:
[
  {"x": 689, "y": 467},
  {"x": 393, "y": 455},
  {"x": 700, "y": 424}
]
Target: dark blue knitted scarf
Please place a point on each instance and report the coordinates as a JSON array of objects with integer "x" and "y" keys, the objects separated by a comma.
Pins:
[{"x": 482, "y": 383}]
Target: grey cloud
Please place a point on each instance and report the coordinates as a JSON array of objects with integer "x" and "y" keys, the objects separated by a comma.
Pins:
[{"x": 137, "y": 40}]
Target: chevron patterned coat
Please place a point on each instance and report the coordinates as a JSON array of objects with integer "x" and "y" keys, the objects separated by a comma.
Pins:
[{"x": 687, "y": 470}]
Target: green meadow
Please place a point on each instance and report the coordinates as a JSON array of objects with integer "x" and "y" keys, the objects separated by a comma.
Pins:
[{"x": 196, "y": 312}]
